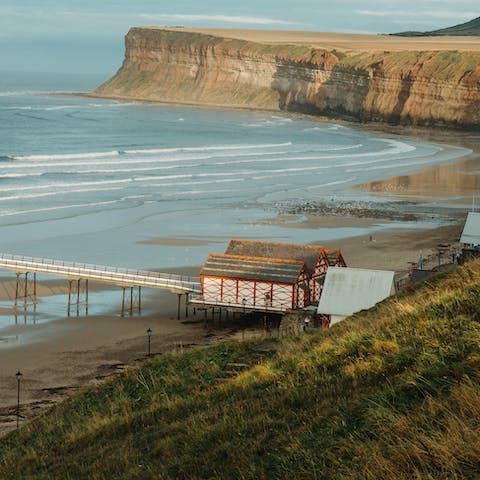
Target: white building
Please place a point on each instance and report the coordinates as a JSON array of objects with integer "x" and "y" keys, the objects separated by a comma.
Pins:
[
  {"x": 349, "y": 290},
  {"x": 471, "y": 230}
]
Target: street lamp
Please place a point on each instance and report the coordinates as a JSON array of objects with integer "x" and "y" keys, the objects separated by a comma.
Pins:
[
  {"x": 244, "y": 303},
  {"x": 149, "y": 336},
  {"x": 18, "y": 376}
]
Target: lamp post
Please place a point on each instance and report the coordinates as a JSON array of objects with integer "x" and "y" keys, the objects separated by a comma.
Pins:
[
  {"x": 149, "y": 336},
  {"x": 244, "y": 303},
  {"x": 18, "y": 376}
]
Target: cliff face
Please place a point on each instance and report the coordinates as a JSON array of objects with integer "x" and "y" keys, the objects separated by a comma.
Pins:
[{"x": 424, "y": 88}]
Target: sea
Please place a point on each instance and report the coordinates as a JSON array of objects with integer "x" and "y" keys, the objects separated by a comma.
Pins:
[{"x": 101, "y": 181}]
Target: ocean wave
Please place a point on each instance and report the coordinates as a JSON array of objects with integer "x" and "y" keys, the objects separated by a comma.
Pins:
[
  {"x": 29, "y": 196},
  {"x": 207, "y": 148},
  {"x": 142, "y": 160},
  {"x": 19, "y": 175},
  {"x": 65, "y": 156},
  {"x": 59, "y": 207}
]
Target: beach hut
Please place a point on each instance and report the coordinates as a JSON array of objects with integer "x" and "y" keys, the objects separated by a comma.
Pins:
[
  {"x": 317, "y": 259},
  {"x": 255, "y": 283},
  {"x": 349, "y": 290},
  {"x": 471, "y": 231}
]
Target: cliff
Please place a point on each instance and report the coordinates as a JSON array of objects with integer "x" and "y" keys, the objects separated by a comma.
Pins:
[{"x": 433, "y": 88}]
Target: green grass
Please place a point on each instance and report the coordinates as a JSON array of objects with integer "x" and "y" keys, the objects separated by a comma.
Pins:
[
  {"x": 373, "y": 398},
  {"x": 469, "y": 28}
]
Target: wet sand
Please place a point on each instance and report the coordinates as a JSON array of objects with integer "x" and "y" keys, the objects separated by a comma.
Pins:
[{"x": 59, "y": 357}]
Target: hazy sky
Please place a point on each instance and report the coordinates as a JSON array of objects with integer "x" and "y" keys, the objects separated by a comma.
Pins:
[{"x": 87, "y": 35}]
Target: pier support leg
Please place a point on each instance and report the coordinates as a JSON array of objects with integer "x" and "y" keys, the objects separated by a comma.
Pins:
[
  {"x": 35, "y": 288},
  {"x": 179, "y": 305},
  {"x": 86, "y": 298},
  {"x": 22, "y": 290},
  {"x": 77, "y": 293},
  {"x": 78, "y": 297},
  {"x": 25, "y": 292},
  {"x": 16, "y": 290},
  {"x": 69, "y": 297},
  {"x": 186, "y": 305},
  {"x": 131, "y": 300}
]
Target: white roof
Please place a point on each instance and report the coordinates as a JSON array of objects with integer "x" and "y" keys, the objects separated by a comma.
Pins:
[
  {"x": 349, "y": 290},
  {"x": 471, "y": 230}
]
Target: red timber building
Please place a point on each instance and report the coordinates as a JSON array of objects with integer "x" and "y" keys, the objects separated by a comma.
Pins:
[
  {"x": 317, "y": 259},
  {"x": 255, "y": 283}
]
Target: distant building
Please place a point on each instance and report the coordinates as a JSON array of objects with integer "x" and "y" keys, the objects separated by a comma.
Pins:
[
  {"x": 349, "y": 290},
  {"x": 255, "y": 283},
  {"x": 316, "y": 258},
  {"x": 471, "y": 231}
]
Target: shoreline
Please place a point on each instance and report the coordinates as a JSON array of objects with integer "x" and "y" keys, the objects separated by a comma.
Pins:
[
  {"x": 90, "y": 349},
  {"x": 71, "y": 353}
]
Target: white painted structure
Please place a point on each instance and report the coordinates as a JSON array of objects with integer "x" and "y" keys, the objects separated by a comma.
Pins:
[
  {"x": 471, "y": 230},
  {"x": 349, "y": 290},
  {"x": 254, "y": 283}
]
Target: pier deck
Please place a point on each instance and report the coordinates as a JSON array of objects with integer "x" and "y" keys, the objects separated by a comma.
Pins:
[{"x": 122, "y": 277}]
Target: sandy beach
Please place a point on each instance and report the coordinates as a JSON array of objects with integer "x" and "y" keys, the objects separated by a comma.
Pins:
[{"x": 61, "y": 356}]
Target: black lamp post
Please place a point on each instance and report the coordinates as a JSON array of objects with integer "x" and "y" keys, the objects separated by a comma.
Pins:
[
  {"x": 149, "y": 335},
  {"x": 18, "y": 376},
  {"x": 244, "y": 303}
]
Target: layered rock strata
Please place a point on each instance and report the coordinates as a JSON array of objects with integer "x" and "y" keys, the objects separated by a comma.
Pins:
[{"x": 411, "y": 87}]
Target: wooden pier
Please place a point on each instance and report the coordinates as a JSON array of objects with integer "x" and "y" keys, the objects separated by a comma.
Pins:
[{"x": 78, "y": 275}]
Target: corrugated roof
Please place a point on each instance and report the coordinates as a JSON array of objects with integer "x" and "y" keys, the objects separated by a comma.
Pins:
[
  {"x": 288, "y": 251},
  {"x": 471, "y": 230},
  {"x": 252, "y": 268},
  {"x": 349, "y": 290}
]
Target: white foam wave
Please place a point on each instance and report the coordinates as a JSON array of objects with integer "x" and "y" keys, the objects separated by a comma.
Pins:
[
  {"x": 145, "y": 160},
  {"x": 332, "y": 184},
  {"x": 19, "y": 175},
  {"x": 66, "y": 156},
  {"x": 208, "y": 148},
  {"x": 68, "y": 185},
  {"x": 198, "y": 192},
  {"x": 111, "y": 104},
  {"x": 19, "y": 93},
  {"x": 59, "y": 207},
  {"x": 56, "y": 193}
]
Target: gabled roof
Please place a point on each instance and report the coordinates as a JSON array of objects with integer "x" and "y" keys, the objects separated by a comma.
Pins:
[
  {"x": 288, "y": 251},
  {"x": 252, "y": 268},
  {"x": 349, "y": 290},
  {"x": 471, "y": 230}
]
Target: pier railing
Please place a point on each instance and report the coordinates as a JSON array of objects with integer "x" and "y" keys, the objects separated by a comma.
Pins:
[{"x": 112, "y": 275}]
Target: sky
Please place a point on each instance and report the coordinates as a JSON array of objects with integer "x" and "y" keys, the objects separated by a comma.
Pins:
[{"x": 71, "y": 36}]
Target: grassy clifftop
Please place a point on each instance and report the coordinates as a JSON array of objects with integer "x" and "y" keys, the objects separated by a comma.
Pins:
[
  {"x": 471, "y": 28},
  {"x": 392, "y": 393}
]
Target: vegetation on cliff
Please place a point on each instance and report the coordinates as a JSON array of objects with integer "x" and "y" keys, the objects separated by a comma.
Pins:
[
  {"x": 471, "y": 28},
  {"x": 391, "y": 393}
]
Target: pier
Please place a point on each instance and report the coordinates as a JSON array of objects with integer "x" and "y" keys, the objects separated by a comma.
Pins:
[{"x": 78, "y": 275}]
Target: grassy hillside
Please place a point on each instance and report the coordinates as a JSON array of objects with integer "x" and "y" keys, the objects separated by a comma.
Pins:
[
  {"x": 469, "y": 28},
  {"x": 392, "y": 393}
]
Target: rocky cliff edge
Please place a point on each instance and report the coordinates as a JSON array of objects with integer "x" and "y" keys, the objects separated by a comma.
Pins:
[{"x": 430, "y": 88}]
